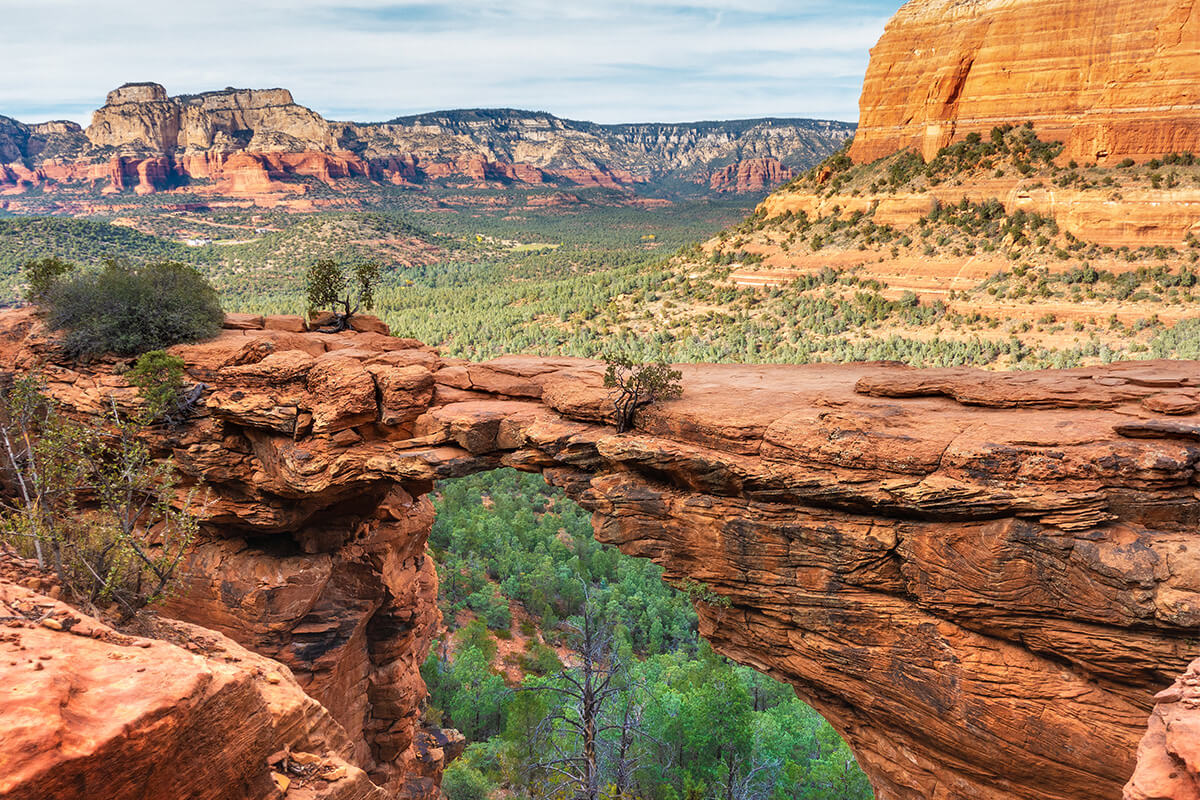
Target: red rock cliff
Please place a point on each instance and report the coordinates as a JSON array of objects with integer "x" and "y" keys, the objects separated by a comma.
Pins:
[
  {"x": 1109, "y": 78},
  {"x": 981, "y": 579}
]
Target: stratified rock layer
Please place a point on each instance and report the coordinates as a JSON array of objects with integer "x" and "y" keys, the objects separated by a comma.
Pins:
[
  {"x": 981, "y": 579},
  {"x": 255, "y": 142},
  {"x": 1111, "y": 79},
  {"x": 89, "y": 712}
]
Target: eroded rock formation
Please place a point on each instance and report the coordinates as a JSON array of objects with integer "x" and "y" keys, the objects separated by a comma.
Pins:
[
  {"x": 90, "y": 712},
  {"x": 1112, "y": 80},
  {"x": 981, "y": 579},
  {"x": 1168, "y": 764},
  {"x": 1133, "y": 218},
  {"x": 254, "y": 142},
  {"x": 752, "y": 175}
]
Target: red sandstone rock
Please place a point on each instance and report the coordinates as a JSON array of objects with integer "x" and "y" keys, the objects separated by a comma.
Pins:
[
  {"x": 751, "y": 175},
  {"x": 404, "y": 392},
  {"x": 365, "y": 323},
  {"x": 342, "y": 392},
  {"x": 979, "y": 578},
  {"x": 1168, "y": 758},
  {"x": 285, "y": 322},
  {"x": 243, "y": 322},
  {"x": 89, "y": 712},
  {"x": 1111, "y": 80}
]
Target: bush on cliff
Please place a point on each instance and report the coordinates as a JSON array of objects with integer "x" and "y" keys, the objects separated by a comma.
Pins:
[
  {"x": 158, "y": 377},
  {"x": 636, "y": 385},
  {"x": 129, "y": 309},
  {"x": 90, "y": 501}
]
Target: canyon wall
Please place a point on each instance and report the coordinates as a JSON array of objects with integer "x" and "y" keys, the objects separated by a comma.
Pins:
[
  {"x": 248, "y": 142},
  {"x": 980, "y": 579},
  {"x": 1112, "y": 80}
]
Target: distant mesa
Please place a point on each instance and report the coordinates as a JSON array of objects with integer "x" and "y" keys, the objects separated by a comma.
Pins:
[
  {"x": 260, "y": 143},
  {"x": 137, "y": 93}
]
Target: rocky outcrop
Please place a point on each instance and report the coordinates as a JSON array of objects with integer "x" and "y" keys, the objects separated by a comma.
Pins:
[
  {"x": 141, "y": 114},
  {"x": 1112, "y": 80},
  {"x": 1168, "y": 761},
  {"x": 251, "y": 142},
  {"x": 1131, "y": 218},
  {"x": 90, "y": 712},
  {"x": 753, "y": 175},
  {"x": 981, "y": 579}
]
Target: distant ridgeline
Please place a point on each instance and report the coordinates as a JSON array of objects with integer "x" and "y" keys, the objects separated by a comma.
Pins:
[{"x": 250, "y": 142}]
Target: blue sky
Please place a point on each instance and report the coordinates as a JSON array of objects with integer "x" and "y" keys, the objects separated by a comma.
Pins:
[{"x": 614, "y": 61}]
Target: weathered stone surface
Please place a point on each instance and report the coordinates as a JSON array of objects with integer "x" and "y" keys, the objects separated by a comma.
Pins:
[
  {"x": 404, "y": 392},
  {"x": 981, "y": 579},
  {"x": 1168, "y": 759},
  {"x": 244, "y": 322},
  {"x": 365, "y": 323},
  {"x": 342, "y": 392},
  {"x": 751, "y": 175},
  {"x": 285, "y": 322},
  {"x": 1111, "y": 80},
  {"x": 89, "y": 712}
]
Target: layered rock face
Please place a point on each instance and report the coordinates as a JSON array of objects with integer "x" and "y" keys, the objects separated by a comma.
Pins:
[
  {"x": 1112, "y": 80},
  {"x": 981, "y": 579},
  {"x": 249, "y": 142},
  {"x": 142, "y": 114},
  {"x": 1131, "y": 218},
  {"x": 90, "y": 712},
  {"x": 754, "y": 175}
]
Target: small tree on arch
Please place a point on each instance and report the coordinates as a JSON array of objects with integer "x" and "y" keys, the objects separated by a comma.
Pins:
[
  {"x": 636, "y": 385},
  {"x": 342, "y": 290}
]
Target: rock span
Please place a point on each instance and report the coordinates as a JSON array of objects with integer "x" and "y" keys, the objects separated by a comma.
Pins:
[
  {"x": 1112, "y": 80},
  {"x": 980, "y": 579},
  {"x": 258, "y": 142}
]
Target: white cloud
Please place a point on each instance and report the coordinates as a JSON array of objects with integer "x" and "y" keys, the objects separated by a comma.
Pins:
[{"x": 612, "y": 61}]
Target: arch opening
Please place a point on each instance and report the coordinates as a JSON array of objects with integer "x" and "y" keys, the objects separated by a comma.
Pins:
[{"x": 521, "y": 578}]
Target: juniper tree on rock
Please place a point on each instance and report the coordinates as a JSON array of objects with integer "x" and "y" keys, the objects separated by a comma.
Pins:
[
  {"x": 637, "y": 385},
  {"x": 341, "y": 290}
]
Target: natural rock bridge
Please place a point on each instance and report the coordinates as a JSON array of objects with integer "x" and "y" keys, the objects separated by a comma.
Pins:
[{"x": 980, "y": 579}]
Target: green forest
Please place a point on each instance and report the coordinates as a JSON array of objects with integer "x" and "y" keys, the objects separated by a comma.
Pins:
[{"x": 680, "y": 721}]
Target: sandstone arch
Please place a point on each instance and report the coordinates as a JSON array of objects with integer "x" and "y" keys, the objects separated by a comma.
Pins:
[{"x": 981, "y": 579}]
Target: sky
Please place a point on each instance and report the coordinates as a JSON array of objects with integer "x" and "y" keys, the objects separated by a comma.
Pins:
[{"x": 370, "y": 60}]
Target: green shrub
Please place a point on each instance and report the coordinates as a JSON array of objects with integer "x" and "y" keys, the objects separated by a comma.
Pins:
[
  {"x": 41, "y": 275},
  {"x": 463, "y": 782},
  {"x": 159, "y": 380},
  {"x": 129, "y": 309},
  {"x": 89, "y": 496}
]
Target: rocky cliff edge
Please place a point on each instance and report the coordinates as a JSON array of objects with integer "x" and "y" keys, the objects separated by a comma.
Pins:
[{"x": 981, "y": 579}]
